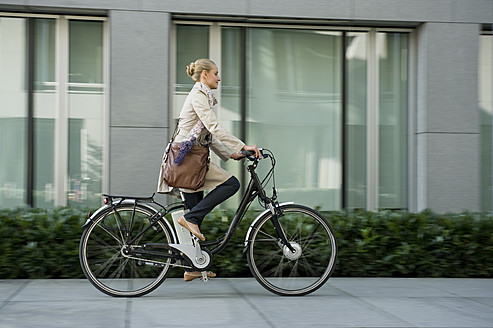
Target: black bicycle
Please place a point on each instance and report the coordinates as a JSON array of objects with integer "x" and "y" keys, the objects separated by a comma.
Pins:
[{"x": 129, "y": 245}]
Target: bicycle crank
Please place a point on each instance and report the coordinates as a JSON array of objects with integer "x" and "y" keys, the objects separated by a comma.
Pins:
[{"x": 201, "y": 259}]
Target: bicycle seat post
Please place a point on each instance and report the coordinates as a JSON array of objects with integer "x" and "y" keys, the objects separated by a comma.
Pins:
[
  {"x": 183, "y": 198},
  {"x": 184, "y": 236}
]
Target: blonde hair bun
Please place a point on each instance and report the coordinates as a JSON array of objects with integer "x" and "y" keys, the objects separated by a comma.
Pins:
[{"x": 191, "y": 69}]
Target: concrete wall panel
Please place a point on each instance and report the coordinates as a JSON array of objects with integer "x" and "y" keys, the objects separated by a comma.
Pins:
[
  {"x": 85, "y": 4},
  {"x": 403, "y": 10},
  {"x": 452, "y": 77},
  {"x": 334, "y": 9},
  {"x": 136, "y": 155},
  {"x": 139, "y": 68},
  {"x": 453, "y": 172},
  {"x": 447, "y": 152},
  {"x": 138, "y": 99},
  {"x": 210, "y": 7},
  {"x": 474, "y": 11}
]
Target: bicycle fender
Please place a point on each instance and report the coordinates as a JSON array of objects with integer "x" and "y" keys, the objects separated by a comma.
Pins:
[
  {"x": 93, "y": 215},
  {"x": 247, "y": 237}
]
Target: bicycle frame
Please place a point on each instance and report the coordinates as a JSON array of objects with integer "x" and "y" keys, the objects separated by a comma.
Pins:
[
  {"x": 250, "y": 194},
  {"x": 253, "y": 190}
]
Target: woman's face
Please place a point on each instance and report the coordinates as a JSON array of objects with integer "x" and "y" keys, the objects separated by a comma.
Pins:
[{"x": 211, "y": 78}]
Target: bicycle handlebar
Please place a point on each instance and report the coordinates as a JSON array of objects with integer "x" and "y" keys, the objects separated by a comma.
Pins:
[{"x": 250, "y": 154}]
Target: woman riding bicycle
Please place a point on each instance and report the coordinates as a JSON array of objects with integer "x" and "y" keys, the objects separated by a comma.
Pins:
[{"x": 198, "y": 124}]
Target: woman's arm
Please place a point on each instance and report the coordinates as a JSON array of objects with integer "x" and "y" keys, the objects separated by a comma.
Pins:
[
  {"x": 220, "y": 150},
  {"x": 200, "y": 104}
]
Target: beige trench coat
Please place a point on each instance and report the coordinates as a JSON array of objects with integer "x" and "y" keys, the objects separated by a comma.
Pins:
[{"x": 223, "y": 143}]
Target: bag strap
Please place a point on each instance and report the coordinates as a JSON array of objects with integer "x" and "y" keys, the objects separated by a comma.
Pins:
[
  {"x": 176, "y": 131},
  {"x": 166, "y": 151}
]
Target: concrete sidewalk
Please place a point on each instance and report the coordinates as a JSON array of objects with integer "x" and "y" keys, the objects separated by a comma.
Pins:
[{"x": 242, "y": 302}]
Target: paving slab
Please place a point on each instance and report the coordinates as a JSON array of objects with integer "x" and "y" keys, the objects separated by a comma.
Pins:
[
  {"x": 9, "y": 288},
  {"x": 242, "y": 302}
]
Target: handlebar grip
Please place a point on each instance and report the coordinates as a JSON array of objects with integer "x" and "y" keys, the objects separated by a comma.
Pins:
[
  {"x": 247, "y": 153},
  {"x": 250, "y": 154}
]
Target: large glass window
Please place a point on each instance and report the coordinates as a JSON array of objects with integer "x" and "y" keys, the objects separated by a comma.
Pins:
[
  {"x": 45, "y": 100},
  {"x": 318, "y": 99},
  {"x": 86, "y": 104},
  {"x": 294, "y": 109},
  {"x": 13, "y": 113},
  {"x": 486, "y": 119},
  {"x": 51, "y": 120},
  {"x": 392, "y": 51},
  {"x": 356, "y": 104},
  {"x": 192, "y": 43},
  {"x": 230, "y": 105}
]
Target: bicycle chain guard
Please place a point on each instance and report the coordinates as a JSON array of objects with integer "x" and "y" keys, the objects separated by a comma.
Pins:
[{"x": 200, "y": 258}]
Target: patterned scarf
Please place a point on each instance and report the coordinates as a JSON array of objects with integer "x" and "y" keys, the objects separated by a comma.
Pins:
[{"x": 189, "y": 141}]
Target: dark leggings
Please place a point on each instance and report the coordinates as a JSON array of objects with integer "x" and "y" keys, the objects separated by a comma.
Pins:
[{"x": 200, "y": 206}]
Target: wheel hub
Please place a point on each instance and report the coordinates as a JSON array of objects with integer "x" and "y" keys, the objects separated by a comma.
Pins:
[
  {"x": 290, "y": 255},
  {"x": 125, "y": 251}
]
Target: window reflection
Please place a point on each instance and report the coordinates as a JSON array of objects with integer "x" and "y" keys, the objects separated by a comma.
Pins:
[
  {"x": 392, "y": 51},
  {"x": 294, "y": 108},
  {"x": 192, "y": 43},
  {"x": 13, "y": 113},
  {"x": 86, "y": 104},
  {"x": 45, "y": 99},
  {"x": 356, "y": 107}
]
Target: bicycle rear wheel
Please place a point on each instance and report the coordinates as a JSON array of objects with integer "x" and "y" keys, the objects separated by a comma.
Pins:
[
  {"x": 285, "y": 273},
  {"x": 110, "y": 264}
]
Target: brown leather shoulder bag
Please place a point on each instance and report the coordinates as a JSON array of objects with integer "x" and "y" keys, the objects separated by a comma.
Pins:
[{"x": 190, "y": 174}]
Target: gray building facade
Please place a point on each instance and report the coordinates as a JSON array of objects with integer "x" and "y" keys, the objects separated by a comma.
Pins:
[{"x": 444, "y": 139}]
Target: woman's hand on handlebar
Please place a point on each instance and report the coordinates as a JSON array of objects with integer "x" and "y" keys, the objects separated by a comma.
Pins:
[
  {"x": 247, "y": 151},
  {"x": 237, "y": 156},
  {"x": 254, "y": 149}
]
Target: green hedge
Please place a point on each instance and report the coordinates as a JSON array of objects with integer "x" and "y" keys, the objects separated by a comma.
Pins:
[
  {"x": 39, "y": 243},
  {"x": 390, "y": 244}
]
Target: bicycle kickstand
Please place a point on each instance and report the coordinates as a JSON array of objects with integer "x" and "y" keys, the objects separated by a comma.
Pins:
[{"x": 204, "y": 276}]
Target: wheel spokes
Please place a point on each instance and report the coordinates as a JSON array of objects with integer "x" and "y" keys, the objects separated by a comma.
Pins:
[{"x": 301, "y": 272}]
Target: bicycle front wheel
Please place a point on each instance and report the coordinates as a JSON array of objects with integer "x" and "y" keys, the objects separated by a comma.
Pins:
[
  {"x": 115, "y": 267},
  {"x": 286, "y": 273}
]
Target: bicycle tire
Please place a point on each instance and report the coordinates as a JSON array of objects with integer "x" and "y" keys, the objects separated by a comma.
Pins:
[
  {"x": 282, "y": 272},
  {"x": 102, "y": 258}
]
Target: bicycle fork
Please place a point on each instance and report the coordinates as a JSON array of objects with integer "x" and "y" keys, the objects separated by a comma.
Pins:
[{"x": 276, "y": 213}]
